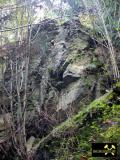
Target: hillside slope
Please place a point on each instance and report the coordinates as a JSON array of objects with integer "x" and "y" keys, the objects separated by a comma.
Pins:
[
  {"x": 98, "y": 122},
  {"x": 68, "y": 69}
]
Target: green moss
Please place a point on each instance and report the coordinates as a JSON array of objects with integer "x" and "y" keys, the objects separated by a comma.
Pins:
[
  {"x": 87, "y": 20},
  {"x": 50, "y": 70},
  {"x": 112, "y": 133},
  {"x": 88, "y": 82},
  {"x": 96, "y": 62},
  {"x": 78, "y": 44},
  {"x": 76, "y": 56},
  {"x": 117, "y": 84},
  {"x": 97, "y": 122}
]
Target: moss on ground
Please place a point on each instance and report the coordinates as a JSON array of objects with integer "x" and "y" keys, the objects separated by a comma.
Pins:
[{"x": 98, "y": 122}]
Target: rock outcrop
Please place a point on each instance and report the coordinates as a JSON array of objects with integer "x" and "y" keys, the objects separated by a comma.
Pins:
[
  {"x": 96, "y": 123},
  {"x": 67, "y": 70}
]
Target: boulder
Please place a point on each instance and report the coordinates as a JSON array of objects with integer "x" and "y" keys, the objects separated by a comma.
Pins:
[
  {"x": 71, "y": 94},
  {"x": 72, "y": 73}
]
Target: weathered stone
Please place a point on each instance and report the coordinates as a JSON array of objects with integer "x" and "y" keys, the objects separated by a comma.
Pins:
[
  {"x": 91, "y": 67},
  {"x": 30, "y": 143},
  {"x": 72, "y": 73},
  {"x": 79, "y": 43},
  {"x": 61, "y": 63},
  {"x": 5, "y": 121},
  {"x": 68, "y": 61},
  {"x": 2, "y": 125},
  {"x": 70, "y": 94},
  {"x": 87, "y": 20}
]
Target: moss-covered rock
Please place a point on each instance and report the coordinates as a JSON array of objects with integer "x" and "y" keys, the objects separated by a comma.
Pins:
[
  {"x": 98, "y": 122},
  {"x": 87, "y": 20}
]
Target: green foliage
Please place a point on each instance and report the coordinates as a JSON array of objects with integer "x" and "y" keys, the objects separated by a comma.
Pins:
[
  {"x": 117, "y": 84},
  {"x": 97, "y": 122}
]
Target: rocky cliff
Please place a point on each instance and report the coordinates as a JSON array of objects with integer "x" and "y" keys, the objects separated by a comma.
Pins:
[{"x": 67, "y": 71}]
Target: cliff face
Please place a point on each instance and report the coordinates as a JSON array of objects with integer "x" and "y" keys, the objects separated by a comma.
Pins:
[
  {"x": 68, "y": 68},
  {"x": 67, "y": 71}
]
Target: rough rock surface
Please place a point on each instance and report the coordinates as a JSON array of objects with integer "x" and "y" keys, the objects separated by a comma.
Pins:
[
  {"x": 96, "y": 122},
  {"x": 67, "y": 69}
]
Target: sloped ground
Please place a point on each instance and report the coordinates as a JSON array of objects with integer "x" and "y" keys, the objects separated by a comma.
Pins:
[{"x": 98, "y": 122}]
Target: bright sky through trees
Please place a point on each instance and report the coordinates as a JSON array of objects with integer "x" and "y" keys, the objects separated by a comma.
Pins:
[{"x": 45, "y": 11}]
